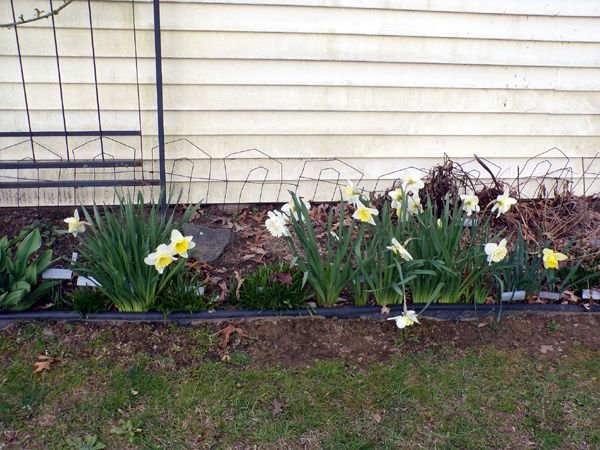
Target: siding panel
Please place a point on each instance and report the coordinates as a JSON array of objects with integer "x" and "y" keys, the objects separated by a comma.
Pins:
[{"x": 381, "y": 85}]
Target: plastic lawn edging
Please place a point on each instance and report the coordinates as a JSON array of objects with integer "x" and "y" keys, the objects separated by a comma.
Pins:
[{"x": 440, "y": 312}]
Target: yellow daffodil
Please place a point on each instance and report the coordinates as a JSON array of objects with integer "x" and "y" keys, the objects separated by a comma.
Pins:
[
  {"x": 470, "y": 204},
  {"x": 406, "y": 319},
  {"x": 364, "y": 213},
  {"x": 495, "y": 252},
  {"x": 351, "y": 193},
  {"x": 412, "y": 183},
  {"x": 181, "y": 244},
  {"x": 551, "y": 258},
  {"x": 439, "y": 224},
  {"x": 277, "y": 224},
  {"x": 161, "y": 258},
  {"x": 291, "y": 210},
  {"x": 396, "y": 196},
  {"x": 75, "y": 225},
  {"x": 503, "y": 203},
  {"x": 398, "y": 249}
]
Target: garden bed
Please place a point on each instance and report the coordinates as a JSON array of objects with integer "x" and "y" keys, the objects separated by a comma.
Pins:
[{"x": 337, "y": 256}]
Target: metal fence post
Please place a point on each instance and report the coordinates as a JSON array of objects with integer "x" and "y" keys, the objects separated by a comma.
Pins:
[{"x": 159, "y": 105}]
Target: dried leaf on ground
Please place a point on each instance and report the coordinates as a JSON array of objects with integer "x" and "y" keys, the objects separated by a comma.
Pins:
[
  {"x": 224, "y": 290},
  {"x": 277, "y": 407},
  {"x": 240, "y": 281},
  {"x": 284, "y": 278},
  {"x": 570, "y": 297},
  {"x": 377, "y": 417},
  {"x": 44, "y": 363},
  {"x": 228, "y": 331}
]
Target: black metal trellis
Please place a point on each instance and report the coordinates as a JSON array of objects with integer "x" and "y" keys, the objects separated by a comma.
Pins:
[{"x": 67, "y": 157}]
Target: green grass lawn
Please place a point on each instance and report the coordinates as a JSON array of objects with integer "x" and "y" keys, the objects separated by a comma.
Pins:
[{"x": 129, "y": 395}]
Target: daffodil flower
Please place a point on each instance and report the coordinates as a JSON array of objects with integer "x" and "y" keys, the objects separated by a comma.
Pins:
[
  {"x": 406, "y": 319},
  {"x": 551, "y": 258},
  {"x": 161, "y": 258},
  {"x": 439, "y": 224},
  {"x": 398, "y": 249},
  {"x": 396, "y": 196},
  {"x": 75, "y": 225},
  {"x": 470, "y": 204},
  {"x": 180, "y": 244},
  {"x": 364, "y": 213},
  {"x": 277, "y": 224},
  {"x": 495, "y": 252},
  {"x": 351, "y": 193},
  {"x": 291, "y": 210},
  {"x": 503, "y": 203},
  {"x": 412, "y": 183},
  {"x": 414, "y": 204}
]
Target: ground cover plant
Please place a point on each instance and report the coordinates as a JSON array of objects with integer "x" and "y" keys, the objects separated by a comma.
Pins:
[
  {"x": 20, "y": 270},
  {"x": 525, "y": 382}
]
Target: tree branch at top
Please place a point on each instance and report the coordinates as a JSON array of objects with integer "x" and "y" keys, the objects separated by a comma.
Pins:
[{"x": 39, "y": 15}]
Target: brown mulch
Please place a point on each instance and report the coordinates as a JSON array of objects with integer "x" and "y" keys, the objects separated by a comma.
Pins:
[{"x": 559, "y": 219}]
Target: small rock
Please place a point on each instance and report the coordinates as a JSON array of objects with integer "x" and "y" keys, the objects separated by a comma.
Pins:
[{"x": 210, "y": 242}]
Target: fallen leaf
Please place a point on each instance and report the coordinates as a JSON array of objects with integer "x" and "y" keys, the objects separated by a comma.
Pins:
[
  {"x": 227, "y": 332},
  {"x": 277, "y": 407},
  {"x": 377, "y": 417},
  {"x": 224, "y": 289},
  {"x": 284, "y": 278},
  {"x": 570, "y": 297},
  {"x": 546, "y": 348},
  {"x": 240, "y": 281},
  {"x": 258, "y": 250},
  {"x": 44, "y": 363}
]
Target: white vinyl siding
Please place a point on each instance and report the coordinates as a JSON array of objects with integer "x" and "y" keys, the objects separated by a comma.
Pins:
[{"x": 330, "y": 89}]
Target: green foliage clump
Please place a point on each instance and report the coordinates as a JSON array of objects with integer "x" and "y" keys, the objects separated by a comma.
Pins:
[
  {"x": 20, "y": 269},
  {"x": 183, "y": 293},
  {"x": 329, "y": 271},
  {"x": 87, "y": 300},
  {"x": 274, "y": 286},
  {"x": 117, "y": 241}
]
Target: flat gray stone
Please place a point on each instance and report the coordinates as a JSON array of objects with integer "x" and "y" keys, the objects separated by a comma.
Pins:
[{"x": 210, "y": 242}]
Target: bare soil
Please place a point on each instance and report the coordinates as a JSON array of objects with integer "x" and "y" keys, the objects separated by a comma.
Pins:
[{"x": 303, "y": 341}]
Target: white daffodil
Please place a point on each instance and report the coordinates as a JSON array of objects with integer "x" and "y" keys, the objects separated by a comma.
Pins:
[
  {"x": 398, "y": 249},
  {"x": 470, "y": 204},
  {"x": 180, "y": 244},
  {"x": 406, "y": 319},
  {"x": 351, "y": 193},
  {"x": 364, "y": 213},
  {"x": 439, "y": 224},
  {"x": 396, "y": 196},
  {"x": 414, "y": 204},
  {"x": 277, "y": 224},
  {"x": 412, "y": 183},
  {"x": 503, "y": 203},
  {"x": 291, "y": 210},
  {"x": 495, "y": 252},
  {"x": 161, "y": 258},
  {"x": 75, "y": 225},
  {"x": 551, "y": 258}
]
